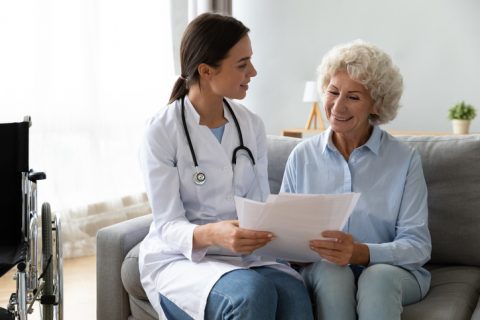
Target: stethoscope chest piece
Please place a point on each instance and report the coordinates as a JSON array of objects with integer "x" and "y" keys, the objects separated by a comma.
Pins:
[{"x": 199, "y": 178}]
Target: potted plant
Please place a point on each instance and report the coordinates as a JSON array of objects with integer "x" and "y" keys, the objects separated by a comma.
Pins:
[{"x": 461, "y": 114}]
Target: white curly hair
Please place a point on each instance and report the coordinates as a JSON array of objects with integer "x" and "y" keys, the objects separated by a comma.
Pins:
[{"x": 370, "y": 66}]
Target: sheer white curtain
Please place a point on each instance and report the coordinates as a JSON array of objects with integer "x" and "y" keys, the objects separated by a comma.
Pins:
[
  {"x": 89, "y": 72},
  {"x": 196, "y": 7}
]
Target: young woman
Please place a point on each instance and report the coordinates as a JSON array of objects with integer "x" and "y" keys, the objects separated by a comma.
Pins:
[{"x": 198, "y": 153}]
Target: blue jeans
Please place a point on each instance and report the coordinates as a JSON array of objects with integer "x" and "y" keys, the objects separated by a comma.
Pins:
[
  {"x": 256, "y": 293},
  {"x": 375, "y": 292}
]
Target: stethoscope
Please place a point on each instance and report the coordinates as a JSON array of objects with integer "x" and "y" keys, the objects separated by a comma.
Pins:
[{"x": 199, "y": 176}]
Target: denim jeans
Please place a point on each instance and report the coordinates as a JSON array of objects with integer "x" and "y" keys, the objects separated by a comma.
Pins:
[
  {"x": 256, "y": 293},
  {"x": 375, "y": 292}
]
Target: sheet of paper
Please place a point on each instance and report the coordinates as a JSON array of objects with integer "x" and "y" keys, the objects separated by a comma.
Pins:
[{"x": 295, "y": 219}]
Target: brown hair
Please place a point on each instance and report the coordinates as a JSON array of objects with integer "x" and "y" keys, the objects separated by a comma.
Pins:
[{"x": 207, "y": 39}]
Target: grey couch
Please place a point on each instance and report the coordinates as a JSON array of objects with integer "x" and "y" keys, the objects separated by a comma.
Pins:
[{"x": 452, "y": 170}]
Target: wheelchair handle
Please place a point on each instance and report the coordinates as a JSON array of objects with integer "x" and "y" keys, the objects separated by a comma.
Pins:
[{"x": 34, "y": 176}]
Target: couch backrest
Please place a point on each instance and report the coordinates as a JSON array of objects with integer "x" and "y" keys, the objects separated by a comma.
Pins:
[
  {"x": 451, "y": 166},
  {"x": 279, "y": 149}
]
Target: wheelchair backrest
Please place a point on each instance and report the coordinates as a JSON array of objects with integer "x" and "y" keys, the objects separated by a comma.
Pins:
[{"x": 13, "y": 161}]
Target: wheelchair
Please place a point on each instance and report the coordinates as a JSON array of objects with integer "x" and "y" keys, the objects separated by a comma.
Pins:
[{"x": 38, "y": 276}]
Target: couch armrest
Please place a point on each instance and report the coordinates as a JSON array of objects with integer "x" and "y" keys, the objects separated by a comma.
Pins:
[{"x": 113, "y": 244}]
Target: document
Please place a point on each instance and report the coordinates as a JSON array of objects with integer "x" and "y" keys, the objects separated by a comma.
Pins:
[{"x": 295, "y": 219}]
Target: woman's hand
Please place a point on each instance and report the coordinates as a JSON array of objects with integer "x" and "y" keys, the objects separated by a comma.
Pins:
[
  {"x": 339, "y": 248},
  {"x": 229, "y": 235}
]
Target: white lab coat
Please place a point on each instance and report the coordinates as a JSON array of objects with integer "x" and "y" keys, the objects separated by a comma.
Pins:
[{"x": 168, "y": 263}]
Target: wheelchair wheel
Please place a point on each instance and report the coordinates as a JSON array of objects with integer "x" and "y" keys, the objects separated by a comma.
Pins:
[
  {"x": 47, "y": 263},
  {"x": 58, "y": 275}
]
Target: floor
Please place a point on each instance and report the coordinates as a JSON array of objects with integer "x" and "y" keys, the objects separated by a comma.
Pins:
[{"x": 79, "y": 289}]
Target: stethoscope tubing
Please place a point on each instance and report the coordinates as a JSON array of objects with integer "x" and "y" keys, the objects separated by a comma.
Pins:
[
  {"x": 185, "y": 128},
  {"x": 199, "y": 177}
]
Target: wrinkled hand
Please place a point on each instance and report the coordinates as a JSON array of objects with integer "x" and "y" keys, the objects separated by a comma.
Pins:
[
  {"x": 229, "y": 235},
  {"x": 338, "y": 248}
]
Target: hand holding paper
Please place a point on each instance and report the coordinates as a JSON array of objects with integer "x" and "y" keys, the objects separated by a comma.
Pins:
[{"x": 295, "y": 219}]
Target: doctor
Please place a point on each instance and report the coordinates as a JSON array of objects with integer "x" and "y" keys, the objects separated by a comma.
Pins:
[{"x": 198, "y": 152}]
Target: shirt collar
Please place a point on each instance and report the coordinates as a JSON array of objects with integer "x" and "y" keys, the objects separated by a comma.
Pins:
[
  {"x": 191, "y": 110},
  {"x": 373, "y": 142},
  {"x": 325, "y": 140}
]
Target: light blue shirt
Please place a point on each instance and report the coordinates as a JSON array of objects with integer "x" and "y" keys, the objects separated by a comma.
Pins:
[
  {"x": 218, "y": 132},
  {"x": 391, "y": 216}
]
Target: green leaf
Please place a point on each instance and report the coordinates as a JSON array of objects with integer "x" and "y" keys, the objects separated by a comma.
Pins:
[{"x": 462, "y": 111}]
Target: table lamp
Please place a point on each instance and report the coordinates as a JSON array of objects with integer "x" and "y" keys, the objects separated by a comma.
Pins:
[{"x": 315, "y": 117}]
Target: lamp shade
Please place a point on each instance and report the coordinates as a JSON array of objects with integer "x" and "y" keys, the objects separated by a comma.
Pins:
[{"x": 310, "y": 94}]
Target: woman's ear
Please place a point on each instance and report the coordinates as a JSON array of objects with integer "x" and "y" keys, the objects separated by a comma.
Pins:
[
  {"x": 204, "y": 70},
  {"x": 375, "y": 109}
]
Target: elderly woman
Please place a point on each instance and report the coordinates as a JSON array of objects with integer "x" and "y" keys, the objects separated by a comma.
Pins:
[{"x": 373, "y": 266}]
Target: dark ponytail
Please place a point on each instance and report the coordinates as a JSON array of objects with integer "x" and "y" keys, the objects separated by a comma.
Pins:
[
  {"x": 207, "y": 39},
  {"x": 179, "y": 89}
]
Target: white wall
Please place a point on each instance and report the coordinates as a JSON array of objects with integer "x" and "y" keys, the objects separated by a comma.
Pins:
[{"x": 435, "y": 43}]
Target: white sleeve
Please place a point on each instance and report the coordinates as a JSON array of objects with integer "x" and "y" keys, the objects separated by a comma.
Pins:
[{"x": 162, "y": 182}]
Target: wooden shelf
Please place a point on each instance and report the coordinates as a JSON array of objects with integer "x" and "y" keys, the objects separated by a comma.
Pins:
[{"x": 299, "y": 133}]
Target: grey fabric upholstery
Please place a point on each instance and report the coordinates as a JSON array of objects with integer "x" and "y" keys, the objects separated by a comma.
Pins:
[
  {"x": 142, "y": 309},
  {"x": 113, "y": 244},
  {"x": 476, "y": 314},
  {"x": 279, "y": 149},
  {"x": 452, "y": 171},
  {"x": 131, "y": 275},
  {"x": 453, "y": 294}
]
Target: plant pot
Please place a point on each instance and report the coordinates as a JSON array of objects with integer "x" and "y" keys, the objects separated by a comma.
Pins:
[{"x": 460, "y": 126}]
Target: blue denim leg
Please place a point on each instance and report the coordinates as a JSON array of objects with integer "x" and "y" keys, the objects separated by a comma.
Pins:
[
  {"x": 332, "y": 289},
  {"x": 382, "y": 291},
  {"x": 242, "y": 294},
  {"x": 257, "y": 293},
  {"x": 171, "y": 310},
  {"x": 293, "y": 299}
]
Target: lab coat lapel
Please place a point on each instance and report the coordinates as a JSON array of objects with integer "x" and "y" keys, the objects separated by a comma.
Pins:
[{"x": 207, "y": 139}]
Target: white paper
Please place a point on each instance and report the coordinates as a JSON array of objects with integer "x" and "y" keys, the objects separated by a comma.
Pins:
[{"x": 295, "y": 219}]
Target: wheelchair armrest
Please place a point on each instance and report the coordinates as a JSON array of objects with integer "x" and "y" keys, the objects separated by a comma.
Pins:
[
  {"x": 34, "y": 176},
  {"x": 113, "y": 244}
]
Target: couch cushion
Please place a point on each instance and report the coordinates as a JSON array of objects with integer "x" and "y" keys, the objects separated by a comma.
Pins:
[
  {"x": 451, "y": 166},
  {"x": 142, "y": 309},
  {"x": 453, "y": 295},
  {"x": 131, "y": 275}
]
